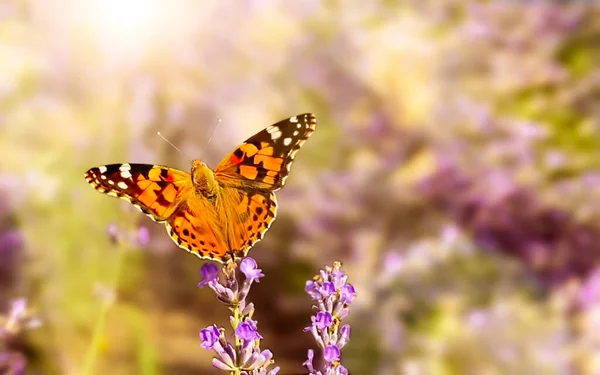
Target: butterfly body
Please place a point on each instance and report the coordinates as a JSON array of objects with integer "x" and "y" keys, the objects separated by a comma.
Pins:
[{"x": 216, "y": 214}]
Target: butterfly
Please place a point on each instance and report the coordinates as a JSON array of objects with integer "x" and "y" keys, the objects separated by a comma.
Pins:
[{"x": 215, "y": 214}]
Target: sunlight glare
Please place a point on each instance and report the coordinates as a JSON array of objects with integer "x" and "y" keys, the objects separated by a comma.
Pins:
[{"x": 129, "y": 26}]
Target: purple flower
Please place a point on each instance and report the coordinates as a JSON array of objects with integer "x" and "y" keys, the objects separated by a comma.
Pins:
[
  {"x": 18, "y": 319},
  {"x": 12, "y": 363},
  {"x": 344, "y": 335},
  {"x": 323, "y": 320},
  {"x": 338, "y": 278},
  {"x": 332, "y": 295},
  {"x": 113, "y": 232},
  {"x": 247, "y": 331},
  {"x": 309, "y": 362},
  {"x": 210, "y": 336},
  {"x": 17, "y": 309},
  {"x": 11, "y": 246},
  {"x": 347, "y": 293},
  {"x": 209, "y": 273},
  {"x": 327, "y": 289},
  {"x": 312, "y": 288},
  {"x": 143, "y": 236},
  {"x": 331, "y": 353},
  {"x": 250, "y": 269},
  {"x": 138, "y": 237},
  {"x": 247, "y": 358}
]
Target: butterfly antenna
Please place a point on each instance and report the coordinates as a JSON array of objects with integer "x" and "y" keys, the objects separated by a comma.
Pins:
[
  {"x": 212, "y": 134},
  {"x": 172, "y": 145}
]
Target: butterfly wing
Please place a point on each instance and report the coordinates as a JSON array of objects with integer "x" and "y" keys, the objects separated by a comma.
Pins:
[
  {"x": 264, "y": 160},
  {"x": 198, "y": 225},
  {"x": 156, "y": 191},
  {"x": 252, "y": 173},
  {"x": 252, "y": 212},
  {"x": 164, "y": 194},
  {"x": 195, "y": 227}
]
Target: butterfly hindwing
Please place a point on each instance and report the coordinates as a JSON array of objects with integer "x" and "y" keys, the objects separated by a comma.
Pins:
[
  {"x": 192, "y": 230},
  {"x": 264, "y": 160},
  {"x": 155, "y": 190},
  {"x": 196, "y": 227},
  {"x": 254, "y": 211}
]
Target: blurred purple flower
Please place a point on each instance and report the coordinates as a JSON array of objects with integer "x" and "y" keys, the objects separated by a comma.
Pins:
[
  {"x": 589, "y": 293},
  {"x": 12, "y": 363},
  {"x": 11, "y": 256},
  {"x": 18, "y": 319},
  {"x": 512, "y": 220},
  {"x": 393, "y": 263},
  {"x": 9, "y": 241},
  {"x": 112, "y": 231},
  {"x": 139, "y": 236},
  {"x": 143, "y": 236}
]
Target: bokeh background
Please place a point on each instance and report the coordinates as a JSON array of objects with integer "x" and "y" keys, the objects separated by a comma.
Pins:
[{"x": 454, "y": 172}]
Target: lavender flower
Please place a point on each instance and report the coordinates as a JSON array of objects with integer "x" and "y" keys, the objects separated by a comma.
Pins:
[
  {"x": 333, "y": 296},
  {"x": 18, "y": 319},
  {"x": 137, "y": 236},
  {"x": 244, "y": 355},
  {"x": 329, "y": 289}
]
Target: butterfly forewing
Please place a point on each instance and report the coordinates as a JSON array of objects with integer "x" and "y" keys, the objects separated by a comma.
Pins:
[
  {"x": 264, "y": 160},
  {"x": 155, "y": 190}
]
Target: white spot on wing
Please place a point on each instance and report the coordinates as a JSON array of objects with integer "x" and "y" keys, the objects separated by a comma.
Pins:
[
  {"x": 125, "y": 168},
  {"x": 294, "y": 119},
  {"x": 296, "y": 133},
  {"x": 274, "y": 131},
  {"x": 102, "y": 169},
  {"x": 287, "y": 141},
  {"x": 103, "y": 177},
  {"x": 122, "y": 185}
]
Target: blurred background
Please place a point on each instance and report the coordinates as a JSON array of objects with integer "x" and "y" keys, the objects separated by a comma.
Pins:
[{"x": 454, "y": 172}]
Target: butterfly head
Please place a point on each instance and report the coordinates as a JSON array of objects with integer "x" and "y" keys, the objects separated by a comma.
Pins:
[{"x": 204, "y": 179}]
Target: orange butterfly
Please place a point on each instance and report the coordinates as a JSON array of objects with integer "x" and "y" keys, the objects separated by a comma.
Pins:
[{"x": 218, "y": 214}]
